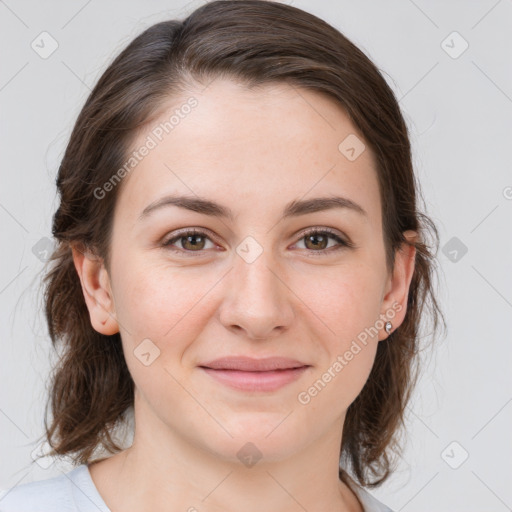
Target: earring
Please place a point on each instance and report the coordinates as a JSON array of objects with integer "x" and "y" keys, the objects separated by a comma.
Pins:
[{"x": 388, "y": 327}]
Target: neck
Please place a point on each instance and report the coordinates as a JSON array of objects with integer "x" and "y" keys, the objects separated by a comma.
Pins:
[{"x": 171, "y": 474}]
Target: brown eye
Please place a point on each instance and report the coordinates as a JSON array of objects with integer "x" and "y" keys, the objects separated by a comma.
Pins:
[
  {"x": 318, "y": 241},
  {"x": 190, "y": 241},
  {"x": 193, "y": 242}
]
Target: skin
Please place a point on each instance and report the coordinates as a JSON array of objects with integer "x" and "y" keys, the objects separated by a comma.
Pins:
[{"x": 252, "y": 151}]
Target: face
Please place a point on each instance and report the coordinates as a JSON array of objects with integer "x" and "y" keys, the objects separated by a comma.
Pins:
[{"x": 282, "y": 276}]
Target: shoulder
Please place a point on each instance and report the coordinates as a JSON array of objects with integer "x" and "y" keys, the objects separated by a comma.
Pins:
[
  {"x": 368, "y": 501},
  {"x": 63, "y": 493},
  {"x": 36, "y": 496}
]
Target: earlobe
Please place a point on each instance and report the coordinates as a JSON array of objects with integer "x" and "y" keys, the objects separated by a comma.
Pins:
[
  {"x": 97, "y": 290},
  {"x": 395, "y": 302}
]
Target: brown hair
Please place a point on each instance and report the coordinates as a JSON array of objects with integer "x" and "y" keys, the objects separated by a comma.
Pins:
[{"x": 254, "y": 42}]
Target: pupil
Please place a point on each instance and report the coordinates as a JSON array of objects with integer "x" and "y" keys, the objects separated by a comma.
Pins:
[
  {"x": 191, "y": 238},
  {"x": 314, "y": 238}
]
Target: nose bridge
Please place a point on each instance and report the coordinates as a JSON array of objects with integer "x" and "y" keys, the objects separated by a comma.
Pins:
[
  {"x": 254, "y": 276},
  {"x": 257, "y": 297}
]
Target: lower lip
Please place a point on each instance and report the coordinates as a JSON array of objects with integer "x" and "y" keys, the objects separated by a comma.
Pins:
[{"x": 256, "y": 381}]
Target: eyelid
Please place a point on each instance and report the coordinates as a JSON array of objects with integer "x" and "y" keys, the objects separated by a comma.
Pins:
[
  {"x": 343, "y": 241},
  {"x": 176, "y": 235},
  {"x": 335, "y": 233}
]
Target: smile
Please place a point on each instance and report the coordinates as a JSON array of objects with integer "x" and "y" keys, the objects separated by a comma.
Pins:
[{"x": 256, "y": 380}]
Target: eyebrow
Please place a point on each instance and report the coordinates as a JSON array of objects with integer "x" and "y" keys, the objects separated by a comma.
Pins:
[{"x": 293, "y": 209}]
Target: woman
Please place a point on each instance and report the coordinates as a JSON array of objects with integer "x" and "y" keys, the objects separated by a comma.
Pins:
[{"x": 242, "y": 263}]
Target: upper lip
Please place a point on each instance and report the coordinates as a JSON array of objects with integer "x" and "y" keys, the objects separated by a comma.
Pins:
[{"x": 250, "y": 364}]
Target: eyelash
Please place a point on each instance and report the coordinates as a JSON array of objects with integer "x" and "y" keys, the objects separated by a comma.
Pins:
[{"x": 316, "y": 231}]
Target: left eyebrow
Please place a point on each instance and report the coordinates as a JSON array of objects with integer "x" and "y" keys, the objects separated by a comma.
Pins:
[{"x": 293, "y": 209}]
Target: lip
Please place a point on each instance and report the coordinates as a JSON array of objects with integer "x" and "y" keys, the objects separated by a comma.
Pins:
[
  {"x": 248, "y": 374},
  {"x": 250, "y": 364}
]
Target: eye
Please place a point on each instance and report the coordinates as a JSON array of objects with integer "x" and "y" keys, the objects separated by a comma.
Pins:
[
  {"x": 194, "y": 241},
  {"x": 318, "y": 240},
  {"x": 191, "y": 241}
]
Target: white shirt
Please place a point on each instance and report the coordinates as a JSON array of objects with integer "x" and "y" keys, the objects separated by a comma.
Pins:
[{"x": 75, "y": 491}]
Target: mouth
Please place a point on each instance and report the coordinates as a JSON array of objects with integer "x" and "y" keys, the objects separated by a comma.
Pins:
[{"x": 248, "y": 374}]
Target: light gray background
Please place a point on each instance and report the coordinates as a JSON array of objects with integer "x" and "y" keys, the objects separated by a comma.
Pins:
[{"x": 460, "y": 114}]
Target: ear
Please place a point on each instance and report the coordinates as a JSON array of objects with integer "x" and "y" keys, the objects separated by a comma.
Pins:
[
  {"x": 397, "y": 288},
  {"x": 97, "y": 290}
]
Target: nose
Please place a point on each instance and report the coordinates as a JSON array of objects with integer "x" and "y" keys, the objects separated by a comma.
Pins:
[{"x": 257, "y": 300}]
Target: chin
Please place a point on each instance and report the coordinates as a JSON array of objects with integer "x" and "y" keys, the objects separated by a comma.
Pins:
[{"x": 256, "y": 439}]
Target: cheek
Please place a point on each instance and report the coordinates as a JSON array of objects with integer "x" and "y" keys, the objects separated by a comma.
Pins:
[
  {"x": 160, "y": 302},
  {"x": 164, "y": 306},
  {"x": 345, "y": 305},
  {"x": 345, "y": 299}
]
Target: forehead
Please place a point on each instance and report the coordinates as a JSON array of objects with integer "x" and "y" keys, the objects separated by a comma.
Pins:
[{"x": 254, "y": 150}]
